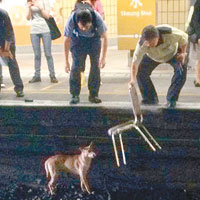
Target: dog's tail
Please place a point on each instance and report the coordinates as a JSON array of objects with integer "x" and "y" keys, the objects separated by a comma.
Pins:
[{"x": 47, "y": 170}]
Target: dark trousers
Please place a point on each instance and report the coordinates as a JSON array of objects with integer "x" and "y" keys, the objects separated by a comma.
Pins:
[
  {"x": 80, "y": 48},
  {"x": 14, "y": 70},
  {"x": 146, "y": 86}
]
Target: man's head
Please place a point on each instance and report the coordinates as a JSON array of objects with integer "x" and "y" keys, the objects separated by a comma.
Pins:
[
  {"x": 84, "y": 19},
  {"x": 150, "y": 36}
]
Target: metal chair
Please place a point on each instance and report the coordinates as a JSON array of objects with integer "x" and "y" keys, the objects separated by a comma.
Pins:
[{"x": 136, "y": 124}]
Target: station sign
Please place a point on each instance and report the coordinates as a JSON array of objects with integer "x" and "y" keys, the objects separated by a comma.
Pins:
[{"x": 132, "y": 17}]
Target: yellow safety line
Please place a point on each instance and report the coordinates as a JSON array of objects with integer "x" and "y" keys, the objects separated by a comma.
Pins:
[
  {"x": 51, "y": 86},
  {"x": 65, "y": 91}
]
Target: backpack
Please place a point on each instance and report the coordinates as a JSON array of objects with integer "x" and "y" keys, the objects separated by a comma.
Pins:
[
  {"x": 85, "y": 6},
  {"x": 162, "y": 30}
]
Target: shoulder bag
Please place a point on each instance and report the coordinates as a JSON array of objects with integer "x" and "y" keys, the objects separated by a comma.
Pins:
[
  {"x": 192, "y": 36},
  {"x": 54, "y": 30}
]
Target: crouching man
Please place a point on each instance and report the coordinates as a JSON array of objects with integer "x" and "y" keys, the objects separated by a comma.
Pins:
[
  {"x": 159, "y": 44},
  {"x": 84, "y": 31}
]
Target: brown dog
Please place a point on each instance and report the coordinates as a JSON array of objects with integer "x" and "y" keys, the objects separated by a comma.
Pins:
[{"x": 78, "y": 164}]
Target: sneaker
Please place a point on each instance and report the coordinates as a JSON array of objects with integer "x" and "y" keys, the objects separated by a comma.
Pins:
[
  {"x": 35, "y": 79},
  {"x": 20, "y": 93},
  {"x": 196, "y": 84},
  {"x": 53, "y": 79},
  {"x": 74, "y": 100},
  {"x": 3, "y": 85},
  {"x": 94, "y": 99},
  {"x": 171, "y": 104}
]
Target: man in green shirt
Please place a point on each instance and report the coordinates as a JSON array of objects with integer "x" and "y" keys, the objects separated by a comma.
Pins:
[{"x": 160, "y": 44}]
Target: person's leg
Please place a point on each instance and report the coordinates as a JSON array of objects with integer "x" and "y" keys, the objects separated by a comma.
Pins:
[
  {"x": 15, "y": 73},
  {"x": 75, "y": 77},
  {"x": 197, "y": 81},
  {"x": 82, "y": 68},
  {"x": 177, "y": 82},
  {"x": 1, "y": 77},
  {"x": 145, "y": 84},
  {"x": 4, "y": 62},
  {"x": 194, "y": 56},
  {"x": 46, "y": 38},
  {"x": 35, "y": 40},
  {"x": 94, "y": 75}
]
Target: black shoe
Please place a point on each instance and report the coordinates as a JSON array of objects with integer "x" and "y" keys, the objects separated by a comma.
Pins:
[
  {"x": 145, "y": 102},
  {"x": 53, "y": 79},
  {"x": 94, "y": 99},
  {"x": 171, "y": 104},
  {"x": 74, "y": 100},
  {"x": 196, "y": 84},
  {"x": 20, "y": 93},
  {"x": 35, "y": 79}
]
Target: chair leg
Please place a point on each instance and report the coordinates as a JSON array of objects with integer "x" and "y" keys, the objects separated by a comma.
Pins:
[
  {"x": 145, "y": 138},
  {"x": 151, "y": 137},
  {"x": 115, "y": 149},
  {"x": 122, "y": 147}
]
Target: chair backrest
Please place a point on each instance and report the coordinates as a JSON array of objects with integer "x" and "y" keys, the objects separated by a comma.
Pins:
[{"x": 135, "y": 105}]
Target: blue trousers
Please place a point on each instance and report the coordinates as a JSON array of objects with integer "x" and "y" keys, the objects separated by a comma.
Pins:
[
  {"x": 146, "y": 86},
  {"x": 14, "y": 70},
  {"x": 36, "y": 40},
  {"x": 80, "y": 48}
]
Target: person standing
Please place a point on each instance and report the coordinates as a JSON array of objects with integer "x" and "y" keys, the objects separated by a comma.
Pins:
[
  {"x": 2, "y": 62},
  {"x": 82, "y": 36},
  {"x": 160, "y": 44},
  {"x": 38, "y": 11},
  {"x": 7, "y": 51},
  {"x": 194, "y": 38}
]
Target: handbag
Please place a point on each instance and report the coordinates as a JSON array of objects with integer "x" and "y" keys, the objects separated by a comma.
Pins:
[
  {"x": 192, "y": 36},
  {"x": 54, "y": 30}
]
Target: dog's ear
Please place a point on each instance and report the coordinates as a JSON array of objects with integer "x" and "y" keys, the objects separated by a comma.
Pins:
[{"x": 91, "y": 145}]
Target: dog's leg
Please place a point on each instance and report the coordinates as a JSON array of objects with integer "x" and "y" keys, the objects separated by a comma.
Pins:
[
  {"x": 87, "y": 185},
  {"x": 54, "y": 176},
  {"x": 82, "y": 186},
  {"x": 46, "y": 169},
  {"x": 84, "y": 181},
  {"x": 52, "y": 184}
]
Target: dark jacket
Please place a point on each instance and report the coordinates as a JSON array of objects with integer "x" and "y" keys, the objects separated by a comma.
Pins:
[{"x": 6, "y": 29}]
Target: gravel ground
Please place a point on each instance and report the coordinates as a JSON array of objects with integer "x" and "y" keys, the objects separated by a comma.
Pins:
[{"x": 114, "y": 192}]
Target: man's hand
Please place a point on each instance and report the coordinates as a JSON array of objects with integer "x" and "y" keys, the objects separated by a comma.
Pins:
[
  {"x": 181, "y": 57},
  {"x": 134, "y": 69},
  {"x": 198, "y": 41},
  {"x": 6, "y": 54},
  {"x": 181, "y": 54},
  {"x": 102, "y": 63},
  {"x": 67, "y": 67},
  {"x": 131, "y": 84}
]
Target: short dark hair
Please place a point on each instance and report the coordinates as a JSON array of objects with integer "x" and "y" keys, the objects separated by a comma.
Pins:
[
  {"x": 150, "y": 32},
  {"x": 83, "y": 16}
]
